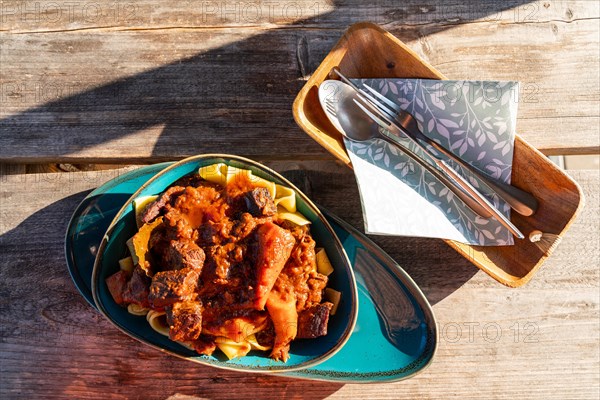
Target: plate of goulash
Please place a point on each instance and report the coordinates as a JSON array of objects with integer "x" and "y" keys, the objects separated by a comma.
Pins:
[{"x": 221, "y": 261}]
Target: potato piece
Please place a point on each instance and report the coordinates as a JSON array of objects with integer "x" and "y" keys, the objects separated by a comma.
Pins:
[
  {"x": 334, "y": 297},
  {"x": 323, "y": 264},
  {"x": 134, "y": 258},
  {"x": 126, "y": 264}
]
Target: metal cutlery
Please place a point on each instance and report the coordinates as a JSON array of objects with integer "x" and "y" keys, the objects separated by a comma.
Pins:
[
  {"x": 357, "y": 126},
  {"x": 346, "y": 92},
  {"x": 458, "y": 179},
  {"x": 522, "y": 202}
]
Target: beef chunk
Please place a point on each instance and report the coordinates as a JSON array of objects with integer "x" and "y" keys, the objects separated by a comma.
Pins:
[
  {"x": 215, "y": 232},
  {"x": 312, "y": 322},
  {"x": 266, "y": 337},
  {"x": 117, "y": 285},
  {"x": 259, "y": 202},
  {"x": 220, "y": 260},
  {"x": 155, "y": 208},
  {"x": 159, "y": 237},
  {"x": 170, "y": 287},
  {"x": 185, "y": 321},
  {"x": 204, "y": 345},
  {"x": 171, "y": 252},
  {"x": 137, "y": 288},
  {"x": 183, "y": 254}
]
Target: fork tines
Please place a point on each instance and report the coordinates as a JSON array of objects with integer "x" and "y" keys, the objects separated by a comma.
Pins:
[
  {"x": 390, "y": 103},
  {"x": 375, "y": 104}
]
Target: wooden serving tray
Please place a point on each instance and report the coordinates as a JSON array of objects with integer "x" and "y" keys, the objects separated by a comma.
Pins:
[{"x": 368, "y": 51}]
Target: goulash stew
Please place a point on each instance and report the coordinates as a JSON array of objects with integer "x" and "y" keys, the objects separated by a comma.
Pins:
[{"x": 219, "y": 265}]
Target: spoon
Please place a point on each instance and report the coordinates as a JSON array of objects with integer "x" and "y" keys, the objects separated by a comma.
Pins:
[{"x": 357, "y": 126}]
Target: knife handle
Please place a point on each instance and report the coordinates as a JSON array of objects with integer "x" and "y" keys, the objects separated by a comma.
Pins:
[
  {"x": 521, "y": 201},
  {"x": 465, "y": 185}
]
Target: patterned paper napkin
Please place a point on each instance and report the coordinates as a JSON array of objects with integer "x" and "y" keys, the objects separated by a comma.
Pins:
[{"x": 475, "y": 120}]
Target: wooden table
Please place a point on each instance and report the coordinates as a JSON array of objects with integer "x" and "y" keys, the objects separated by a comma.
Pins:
[{"x": 144, "y": 81}]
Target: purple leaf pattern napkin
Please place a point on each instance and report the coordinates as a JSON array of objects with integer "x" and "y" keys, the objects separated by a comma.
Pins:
[{"x": 476, "y": 121}]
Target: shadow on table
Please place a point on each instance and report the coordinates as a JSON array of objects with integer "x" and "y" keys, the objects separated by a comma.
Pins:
[{"x": 244, "y": 89}]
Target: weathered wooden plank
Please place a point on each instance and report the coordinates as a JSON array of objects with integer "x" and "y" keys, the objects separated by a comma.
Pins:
[
  {"x": 30, "y": 16},
  {"x": 182, "y": 88},
  {"x": 539, "y": 341}
]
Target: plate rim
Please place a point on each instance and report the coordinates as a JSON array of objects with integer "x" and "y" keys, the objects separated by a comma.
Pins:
[{"x": 326, "y": 376}]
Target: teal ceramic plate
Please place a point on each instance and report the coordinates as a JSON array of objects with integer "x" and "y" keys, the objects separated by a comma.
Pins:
[
  {"x": 303, "y": 353},
  {"x": 395, "y": 336}
]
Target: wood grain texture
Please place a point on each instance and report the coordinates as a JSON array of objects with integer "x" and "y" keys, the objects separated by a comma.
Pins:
[
  {"x": 539, "y": 341},
  {"x": 147, "y": 82}
]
